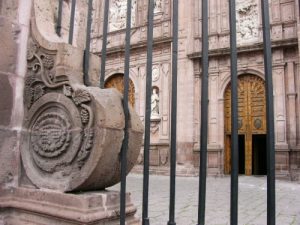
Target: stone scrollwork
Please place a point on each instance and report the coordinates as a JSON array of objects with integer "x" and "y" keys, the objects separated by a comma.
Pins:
[
  {"x": 72, "y": 133},
  {"x": 59, "y": 116}
]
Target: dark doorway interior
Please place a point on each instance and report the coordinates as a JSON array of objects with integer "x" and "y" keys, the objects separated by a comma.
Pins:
[
  {"x": 241, "y": 154},
  {"x": 259, "y": 154}
]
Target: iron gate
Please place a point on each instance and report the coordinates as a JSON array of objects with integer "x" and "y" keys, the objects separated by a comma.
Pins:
[{"x": 204, "y": 105}]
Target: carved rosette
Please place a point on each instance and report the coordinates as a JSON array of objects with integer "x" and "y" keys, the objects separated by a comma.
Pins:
[{"x": 73, "y": 134}]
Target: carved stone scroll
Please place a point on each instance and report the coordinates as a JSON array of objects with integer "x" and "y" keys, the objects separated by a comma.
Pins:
[{"x": 73, "y": 133}]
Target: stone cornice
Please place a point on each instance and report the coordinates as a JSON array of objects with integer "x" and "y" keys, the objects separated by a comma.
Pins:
[
  {"x": 140, "y": 45},
  {"x": 242, "y": 49}
]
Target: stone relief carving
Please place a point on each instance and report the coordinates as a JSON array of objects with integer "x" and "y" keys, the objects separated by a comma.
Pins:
[
  {"x": 247, "y": 21},
  {"x": 155, "y": 73},
  {"x": 158, "y": 6},
  {"x": 72, "y": 134},
  {"x": 117, "y": 14},
  {"x": 59, "y": 117}
]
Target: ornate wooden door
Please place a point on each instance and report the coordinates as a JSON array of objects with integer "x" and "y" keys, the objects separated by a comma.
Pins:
[
  {"x": 117, "y": 81},
  {"x": 252, "y": 116}
]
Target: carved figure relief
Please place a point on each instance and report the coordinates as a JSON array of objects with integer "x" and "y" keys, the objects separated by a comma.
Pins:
[
  {"x": 247, "y": 21},
  {"x": 155, "y": 73},
  {"x": 118, "y": 12},
  {"x": 158, "y": 6}
]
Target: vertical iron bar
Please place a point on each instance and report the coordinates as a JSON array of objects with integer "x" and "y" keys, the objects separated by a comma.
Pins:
[
  {"x": 104, "y": 43},
  {"x": 148, "y": 111},
  {"x": 204, "y": 115},
  {"x": 173, "y": 115},
  {"x": 126, "y": 113},
  {"x": 234, "y": 118},
  {"x": 59, "y": 17},
  {"x": 86, "y": 61},
  {"x": 72, "y": 21},
  {"x": 270, "y": 115}
]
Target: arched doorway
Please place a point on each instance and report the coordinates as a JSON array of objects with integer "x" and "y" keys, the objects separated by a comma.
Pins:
[
  {"x": 117, "y": 81},
  {"x": 251, "y": 125}
]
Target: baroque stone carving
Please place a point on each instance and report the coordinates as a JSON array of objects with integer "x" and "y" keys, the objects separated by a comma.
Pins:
[
  {"x": 61, "y": 129},
  {"x": 118, "y": 12},
  {"x": 155, "y": 73},
  {"x": 247, "y": 21},
  {"x": 73, "y": 133}
]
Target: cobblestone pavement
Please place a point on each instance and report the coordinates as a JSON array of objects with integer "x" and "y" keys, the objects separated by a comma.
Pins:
[{"x": 252, "y": 200}]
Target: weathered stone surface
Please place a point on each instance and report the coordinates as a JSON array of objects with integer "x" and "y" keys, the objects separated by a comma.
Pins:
[
  {"x": 8, "y": 45},
  {"x": 6, "y": 101},
  {"x": 9, "y": 158},
  {"x": 29, "y": 207}
]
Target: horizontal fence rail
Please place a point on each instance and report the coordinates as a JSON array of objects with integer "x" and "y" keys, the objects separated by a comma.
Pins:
[{"x": 204, "y": 103}]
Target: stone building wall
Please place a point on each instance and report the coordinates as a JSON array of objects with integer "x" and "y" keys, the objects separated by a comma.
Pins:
[
  {"x": 284, "y": 31},
  {"x": 14, "y": 28}
]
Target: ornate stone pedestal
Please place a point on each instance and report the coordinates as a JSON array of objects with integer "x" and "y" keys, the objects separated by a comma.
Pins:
[
  {"x": 23, "y": 206},
  {"x": 70, "y": 140}
]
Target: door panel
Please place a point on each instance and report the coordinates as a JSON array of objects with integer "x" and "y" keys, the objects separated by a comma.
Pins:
[{"x": 252, "y": 116}]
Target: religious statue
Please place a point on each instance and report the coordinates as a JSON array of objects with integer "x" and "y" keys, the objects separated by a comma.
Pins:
[
  {"x": 158, "y": 6},
  {"x": 154, "y": 104}
]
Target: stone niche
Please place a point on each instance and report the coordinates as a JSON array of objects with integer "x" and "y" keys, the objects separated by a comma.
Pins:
[{"x": 70, "y": 143}]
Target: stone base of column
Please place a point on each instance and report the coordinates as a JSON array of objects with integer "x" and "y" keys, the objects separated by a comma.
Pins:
[{"x": 23, "y": 206}]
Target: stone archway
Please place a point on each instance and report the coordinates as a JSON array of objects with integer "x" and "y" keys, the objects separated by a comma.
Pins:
[
  {"x": 251, "y": 124},
  {"x": 117, "y": 81}
]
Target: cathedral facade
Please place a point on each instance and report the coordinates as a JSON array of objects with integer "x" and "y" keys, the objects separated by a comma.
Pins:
[{"x": 251, "y": 79}]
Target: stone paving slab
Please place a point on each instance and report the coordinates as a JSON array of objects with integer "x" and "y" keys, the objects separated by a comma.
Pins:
[{"x": 252, "y": 200}]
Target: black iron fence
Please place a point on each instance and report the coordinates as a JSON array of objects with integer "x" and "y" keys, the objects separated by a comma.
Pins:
[{"x": 204, "y": 104}]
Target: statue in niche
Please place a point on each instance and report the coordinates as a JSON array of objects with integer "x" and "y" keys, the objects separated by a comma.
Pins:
[
  {"x": 154, "y": 104},
  {"x": 158, "y": 6}
]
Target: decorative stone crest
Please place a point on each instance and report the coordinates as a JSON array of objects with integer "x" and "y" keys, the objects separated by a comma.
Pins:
[
  {"x": 58, "y": 116},
  {"x": 247, "y": 21},
  {"x": 118, "y": 12}
]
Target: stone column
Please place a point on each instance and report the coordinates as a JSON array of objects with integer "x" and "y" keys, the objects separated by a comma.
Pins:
[
  {"x": 213, "y": 110},
  {"x": 279, "y": 107},
  {"x": 291, "y": 99}
]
